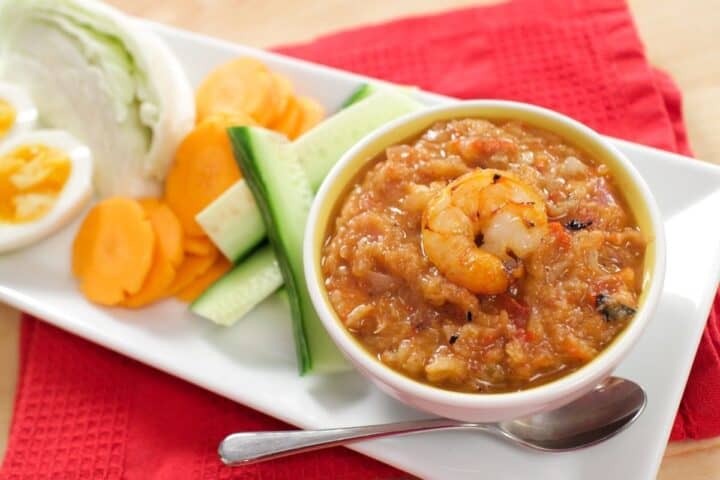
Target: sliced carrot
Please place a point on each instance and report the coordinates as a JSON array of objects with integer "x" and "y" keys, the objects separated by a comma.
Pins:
[
  {"x": 201, "y": 283},
  {"x": 167, "y": 229},
  {"x": 83, "y": 240},
  {"x": 198, "y": 245},
  {"x": 167, "y": 256},
  {"x": 313, "y": 114},
  {"x": 113, "y": 250},
  {"x": 267, "y": 109},
  {"x": 156, "y": 283},
  {"x": 232, "y": 119},
  {"x": 290, "y": 120},
  {"x": 190, "y": 269},
  {"x": 282, "y": 93},
  {"x": 241, "y": 85},
  {"x": 204, "y": 168}
]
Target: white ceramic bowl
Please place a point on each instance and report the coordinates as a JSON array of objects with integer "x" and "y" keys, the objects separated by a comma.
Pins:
[{"x": 479, "y": 407}]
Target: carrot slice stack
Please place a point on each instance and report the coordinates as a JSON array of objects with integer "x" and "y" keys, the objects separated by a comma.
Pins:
[
  {"x": 242, "y": 85},
  {"x": 198, "y": 245},
  {"x": 204, "y": 168},
  {"x": 313, "y": 113},
  {"x": 195, "y": 288},
  {"x": 167, "y": 256},
  {"x": 113, "y": 250},
  {"x": 191, "y": 268}
]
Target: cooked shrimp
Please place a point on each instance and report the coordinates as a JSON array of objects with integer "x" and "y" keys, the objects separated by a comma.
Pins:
[{"x": 475, "y": 229}]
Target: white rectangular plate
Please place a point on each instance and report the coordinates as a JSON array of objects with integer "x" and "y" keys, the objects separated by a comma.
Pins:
[{"x": 254, "y": 361}]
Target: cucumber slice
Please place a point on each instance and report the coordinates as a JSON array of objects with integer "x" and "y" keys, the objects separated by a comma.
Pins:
[
  {"x": 282, "y": 192},
  {"x": 235, "y": 205},
  {"x": 223, "y": 303},
  {"x": 235, "y": 229},
  {"x": 363, "y": 91},
  {"x": 320, "y": 148}
]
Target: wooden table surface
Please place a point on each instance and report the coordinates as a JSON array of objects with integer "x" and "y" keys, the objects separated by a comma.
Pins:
[{"x": 679, "y": 38}]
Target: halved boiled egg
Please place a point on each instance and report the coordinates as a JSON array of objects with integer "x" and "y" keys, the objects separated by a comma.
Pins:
[
  {"x": 17, "y": 111},
  {"x": 45, "y": 180}
]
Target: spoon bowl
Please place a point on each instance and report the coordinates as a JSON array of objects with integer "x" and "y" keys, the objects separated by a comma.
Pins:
[{"x": 598, "y": 415}]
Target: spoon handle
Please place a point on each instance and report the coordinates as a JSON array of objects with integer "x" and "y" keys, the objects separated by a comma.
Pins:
[{"x": 253, "y": 447}]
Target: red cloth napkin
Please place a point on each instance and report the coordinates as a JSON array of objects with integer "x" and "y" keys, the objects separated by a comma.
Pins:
[{"x": 85, "y": 412}]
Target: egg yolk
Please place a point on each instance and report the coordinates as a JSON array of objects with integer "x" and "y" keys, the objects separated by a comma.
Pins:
[
  {"x": 31, "y": 179},
  {"x": 7, "y": 117}
]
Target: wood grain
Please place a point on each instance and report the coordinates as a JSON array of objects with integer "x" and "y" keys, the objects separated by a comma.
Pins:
[
  {"x": 679, "y": 38},
  {"x": 9, "y": 347}
]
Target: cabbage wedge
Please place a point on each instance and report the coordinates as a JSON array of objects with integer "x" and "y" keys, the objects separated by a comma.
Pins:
[{"x": 106, "y": 79}]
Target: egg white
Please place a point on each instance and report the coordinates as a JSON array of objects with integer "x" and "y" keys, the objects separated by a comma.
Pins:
[
  {"x": 75, "y": 193},
  {"x": 26, "y": 114}
]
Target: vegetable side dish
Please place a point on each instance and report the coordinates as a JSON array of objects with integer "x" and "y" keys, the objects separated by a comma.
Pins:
[{"x": 165, "y": 251}]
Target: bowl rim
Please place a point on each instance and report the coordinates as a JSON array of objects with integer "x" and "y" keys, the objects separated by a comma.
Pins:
[{"x": 545, "y": 393}]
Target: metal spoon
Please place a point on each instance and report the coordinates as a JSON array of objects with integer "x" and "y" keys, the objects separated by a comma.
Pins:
[{"x": 596, "y": 416}]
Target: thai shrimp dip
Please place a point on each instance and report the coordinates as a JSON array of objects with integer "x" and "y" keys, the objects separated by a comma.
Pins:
[{"x": 484, "y": 256}]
